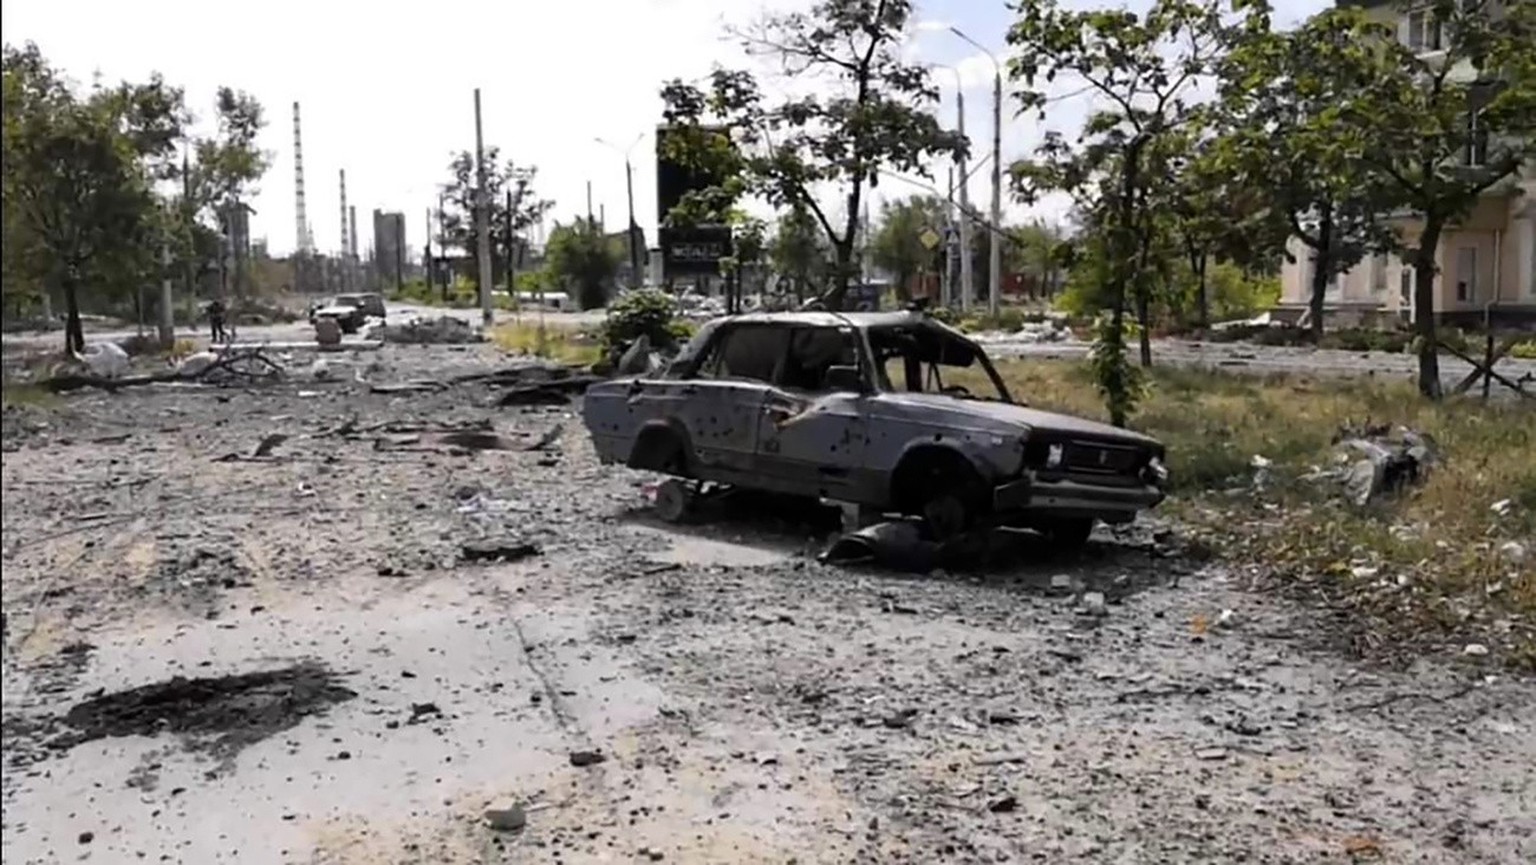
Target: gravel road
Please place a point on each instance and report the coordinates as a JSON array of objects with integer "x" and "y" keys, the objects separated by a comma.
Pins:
[{"x": 344, "y": 688}]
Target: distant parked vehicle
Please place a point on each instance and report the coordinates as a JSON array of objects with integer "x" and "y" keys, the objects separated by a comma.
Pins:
[
  {"x": 351, "y": 311},
  {"x": 370, "y": 303}
]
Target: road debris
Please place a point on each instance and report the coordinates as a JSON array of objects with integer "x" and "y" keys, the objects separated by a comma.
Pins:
[
  {"x": 497, "y": 550},
  {"x": 509, "y": 819},
  {"x": 581, "y": 759}
]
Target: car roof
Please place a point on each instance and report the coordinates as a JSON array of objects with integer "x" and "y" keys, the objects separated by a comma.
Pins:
[
  {"x": 860, "y": 320},
  {"x": 819, "y": 318}
]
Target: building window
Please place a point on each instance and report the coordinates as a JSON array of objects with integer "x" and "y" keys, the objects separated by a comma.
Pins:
[
  {"x": 1424, "y": 30},
  {"x": 1474, "y": 151},
  {"x": 1405, "y": 284},
  {"x": 1379, "y": 274},
  {"x": 1466, "y": 274}
]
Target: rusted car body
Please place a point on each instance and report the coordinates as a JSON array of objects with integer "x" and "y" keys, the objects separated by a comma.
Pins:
[{"x": 853, "y": 407}]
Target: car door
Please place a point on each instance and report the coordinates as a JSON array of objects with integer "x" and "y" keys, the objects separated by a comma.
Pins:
[
  {"x": 719, "y": 402},
  {"x": 811, "y": 435}
]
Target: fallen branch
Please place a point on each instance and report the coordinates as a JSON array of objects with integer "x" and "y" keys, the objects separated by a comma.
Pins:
[{"x": 249, "y": 364}]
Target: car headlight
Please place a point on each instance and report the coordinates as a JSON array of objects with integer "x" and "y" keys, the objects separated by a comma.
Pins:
[{"x": 1155, "y": 472}]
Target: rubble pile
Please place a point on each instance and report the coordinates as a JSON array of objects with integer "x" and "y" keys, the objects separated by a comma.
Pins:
[
  {"x": 442, "y": 330},
  {"x": 1374, "y": 461}
]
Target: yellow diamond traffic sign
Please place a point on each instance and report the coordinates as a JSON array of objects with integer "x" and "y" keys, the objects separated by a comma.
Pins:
[{"x": 930, "y": 238}]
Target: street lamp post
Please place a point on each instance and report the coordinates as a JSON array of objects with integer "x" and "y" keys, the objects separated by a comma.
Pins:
[
  {"x": 629, "y": 191},
  {"x": 995, "y": 259},
  {"x": 967, "y": 279}
]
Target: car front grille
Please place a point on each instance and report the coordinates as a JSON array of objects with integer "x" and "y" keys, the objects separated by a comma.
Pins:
[{"x": 1080, "y": 456}]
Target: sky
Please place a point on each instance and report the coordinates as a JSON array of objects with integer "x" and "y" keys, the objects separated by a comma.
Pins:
[{"x": 387, "y": 91}]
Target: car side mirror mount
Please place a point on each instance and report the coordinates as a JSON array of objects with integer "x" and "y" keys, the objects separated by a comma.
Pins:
[{"x": 844, "y": 379}]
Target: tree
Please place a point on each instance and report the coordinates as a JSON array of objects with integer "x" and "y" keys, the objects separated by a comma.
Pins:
[
  {"x": 528, "y": 209},
  {"x": 1444, "y": 127},
  {"x": 898, "y": 245},
  {"x": 1037, "y": 248},
  {"x": 581, "y": 256},
  {"x": 798, "y": 250},
  {"x": 1290, "y": 94},
  {"x": 77, "y": 184},
  {"x": 786, "y": 151},
  {"x": 1147, "y": 68}
]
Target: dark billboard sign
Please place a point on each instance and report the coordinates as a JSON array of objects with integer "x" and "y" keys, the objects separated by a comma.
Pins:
[{"x": 685, "y": 250}]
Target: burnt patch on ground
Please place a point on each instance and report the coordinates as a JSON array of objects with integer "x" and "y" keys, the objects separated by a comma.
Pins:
[{"x": 219, "y": 715}]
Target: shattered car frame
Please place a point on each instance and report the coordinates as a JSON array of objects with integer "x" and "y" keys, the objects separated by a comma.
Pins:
[{"x": 854, "y": 407}]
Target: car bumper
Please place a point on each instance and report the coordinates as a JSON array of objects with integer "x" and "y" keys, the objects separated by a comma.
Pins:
[{"x": 1031, "y": 493}]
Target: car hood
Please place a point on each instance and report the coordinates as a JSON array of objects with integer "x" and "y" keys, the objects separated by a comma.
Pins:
[{"x": 1009, "y": 413}]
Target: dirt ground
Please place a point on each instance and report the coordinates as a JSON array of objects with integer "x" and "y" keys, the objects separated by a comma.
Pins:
[{"x": 217, "y": 657}]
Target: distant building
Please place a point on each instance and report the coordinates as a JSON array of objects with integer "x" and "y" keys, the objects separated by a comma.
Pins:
[
  {"x": 1486, "y": 261},
  {"x": 389, "y": 260}
]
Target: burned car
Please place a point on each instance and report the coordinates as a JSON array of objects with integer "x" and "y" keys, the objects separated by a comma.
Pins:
[{"x": 869, "y": 409}]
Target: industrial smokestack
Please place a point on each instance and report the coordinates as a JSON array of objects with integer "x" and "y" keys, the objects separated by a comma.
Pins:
[{"x": 302, "y": 240}]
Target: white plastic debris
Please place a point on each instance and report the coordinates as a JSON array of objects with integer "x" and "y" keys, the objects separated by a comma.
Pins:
[
  {"x": 1502, "y": 507},
  {"x": 1476, "y": 650},
  {"x": 105, "y": 359},
  {"x": 195, "y": 364}
]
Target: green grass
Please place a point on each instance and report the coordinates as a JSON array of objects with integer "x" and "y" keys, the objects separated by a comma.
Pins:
[
  {"x": 528, "y": 336},
  {"x": 1422, "y": 568}
]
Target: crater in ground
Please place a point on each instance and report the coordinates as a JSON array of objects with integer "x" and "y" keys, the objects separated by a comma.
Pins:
[{"x": 220, "y": 715}]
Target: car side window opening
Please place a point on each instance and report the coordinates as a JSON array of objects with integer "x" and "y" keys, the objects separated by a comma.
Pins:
[
  {"x": 916, "y": 359},
  {"x": 812, "y": 352},
  {"x": 752, "y": 352}
]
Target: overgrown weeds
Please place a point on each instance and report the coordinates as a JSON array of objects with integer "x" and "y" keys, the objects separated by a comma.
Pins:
[
  {"x": 564, "y": 344},
  {"x": 1437, "y": 566}
]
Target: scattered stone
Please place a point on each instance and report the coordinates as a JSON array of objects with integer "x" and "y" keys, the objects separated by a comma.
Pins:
[
  {"x": 419, "y": 711},
  {"x": 1476, "y": 650},
  {"x": 510, "y": 819},
  {"x": 900, "y": 720},
  {"x": 1094, "y": 605},
  {"x": 1005, "y": 805},
  {"x": 652, "y": 854},
  {"x": 1211, "y": 753},
  {"x": 87, "y": 837},
  {"x": 587, "y": 758},
  {"x": 1514, "y": 551}
]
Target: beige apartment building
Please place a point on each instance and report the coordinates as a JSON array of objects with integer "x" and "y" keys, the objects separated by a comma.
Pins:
[{"x": 1487, "y": 262}]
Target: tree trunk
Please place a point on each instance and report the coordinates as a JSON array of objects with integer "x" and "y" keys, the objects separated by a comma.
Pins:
[
  {"x": 1424, "y": 309},
  {"x": 74, "y": 331},
  {"x": 1203, "y": 299},
  {"x": 1321, "y": 271},
  {"x": 1143, "y": 318},
  {"x": 834, "y": 298}
]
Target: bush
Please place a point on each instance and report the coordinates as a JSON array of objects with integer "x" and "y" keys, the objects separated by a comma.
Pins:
[
  {"x": 646, "y": 312},
  {"x": 1525, "y": 350}
]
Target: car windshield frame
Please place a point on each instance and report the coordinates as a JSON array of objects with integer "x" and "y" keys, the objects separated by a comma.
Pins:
[{"x": 946, "y": 344}]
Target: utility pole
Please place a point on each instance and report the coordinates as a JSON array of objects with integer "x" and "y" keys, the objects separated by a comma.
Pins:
[
  {"x": 946, "y": 282},
  {"x": 967, "y": 286},
  {"x": 482, "y": 220},
  {"x": 995, "y": 238},
  {"x": 635, "y": 280},
  {"x": 427, "y": 258},
  {"x": 589, "y": 202},
  {"x": 442, "y": 235},
  {"x": 167, "y": 315},
  {"x": 511, "y": 252}
]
